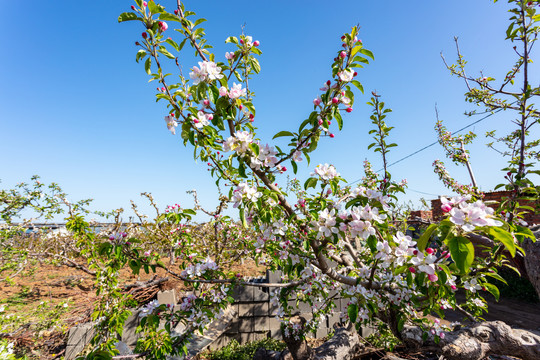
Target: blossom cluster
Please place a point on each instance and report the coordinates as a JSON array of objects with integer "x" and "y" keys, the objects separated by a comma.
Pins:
[
  {"x": 468, "y": 215},
  {"x": 207, "y": 70},
  {"x": 199, "y": 269}
]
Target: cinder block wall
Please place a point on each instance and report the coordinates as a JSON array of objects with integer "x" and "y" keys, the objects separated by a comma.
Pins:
[{"x": 257, "y": 317}]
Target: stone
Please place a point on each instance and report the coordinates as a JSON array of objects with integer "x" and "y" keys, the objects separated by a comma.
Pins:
[{"x": 78, "y": 338}]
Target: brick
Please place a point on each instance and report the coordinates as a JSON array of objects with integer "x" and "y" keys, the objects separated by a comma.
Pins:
[
  {"x": 333, "y": 319},
  {"x": 276, "y": 334},
  {"x": 261, "y": 323},
  {"x": 249, "y": 337}
]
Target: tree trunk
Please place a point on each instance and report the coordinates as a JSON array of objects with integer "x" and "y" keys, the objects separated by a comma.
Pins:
[
  {"x": 344, "y": 345},
  {"x": 478, "y": 341},
  {"x": 532, "y": 259}
]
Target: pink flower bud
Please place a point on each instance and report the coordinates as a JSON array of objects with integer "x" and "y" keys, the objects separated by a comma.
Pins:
[
  {"x": 320, "y": 122},
  {"x": 176, "y": 12},
  {"x": 329, "y": 123},
  {"x": 284, "y": 169},
  {"x": 355, "y": 73},
  {"x": 446, "y": 256},
  {"x": 343, "y": 54},
  {"x": 453, "y": 287},
  {"x": 317, "y": 102},
  {"x": 144, "y": 35},
  {"x": 132, "y": 7},
  {"x": 144, "y": 3},
  {"x": 163, "y": 26},
  {"x": 433, "y": 277},
  {"x": 256, "y": 43},
  {"x": 413, "y": 270},
  {"x": 332, "y": 135},
  {"x": 242, "y": 41},
  {"x": 206, "y": 102},
  {"x": 415, "y": 252},
  {"x": 251, "y": 116},
  {"x": 210, "y": 117},
  {"x": 328, "y": 82},
  {"x": 349, "y": 109},
  {"x": 343, "y": 37},
  {"x": 335, "y": 100},
  {"x": 446, "y": 208},
  {"x": 429, "y": 251}
]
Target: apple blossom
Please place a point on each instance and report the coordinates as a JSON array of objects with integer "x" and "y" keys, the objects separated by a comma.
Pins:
[
  {"x": 171, "y": 123},
  {"x": 326, "y": 172},
  {"x": 237, "y": 91},
  {"x": 346, "y": 75}
]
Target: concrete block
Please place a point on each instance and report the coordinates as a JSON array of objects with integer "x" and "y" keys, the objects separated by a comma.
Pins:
[
  {"x": 246, "y": 325},
  {"x": 249, "y": 337},
  {"x": 243, "y": 294},
  {"x": 260, "y": 295},
  {"x": 130, "y": 335},
  {"x": 245, "y": 310},
  {"x": 167, "y": 297},
  {"x": 261, "y": 323},
  {"x": 274, "y": 323},
  {"x": 272, "y": 309},
  {"x": 260, "y": 309},
  {"x": 333, "y": 319},
  {"x": 78, "y": 338},
  {"x": 274, "y": 276},
  {"x": 321, "y": 332},
  {"x": 276, "y": 334},
  {"x": 234, "y": 328},
  {"x": 367, "y": 330}
]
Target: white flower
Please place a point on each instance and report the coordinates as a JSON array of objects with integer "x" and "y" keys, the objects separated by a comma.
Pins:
[
  {"x": 326, "y": 172},
  {"x": 202, "y": 120},
  {"x": 237, "y": 91},
  {"x": 346, "y": 75},
  {"x": 472, "y": 285},
  {"x": 208, "y": 71},
  {"x": 171, "y": 123}
]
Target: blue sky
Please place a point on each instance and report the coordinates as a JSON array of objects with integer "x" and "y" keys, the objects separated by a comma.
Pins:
[{"x": 76, "y": 109}]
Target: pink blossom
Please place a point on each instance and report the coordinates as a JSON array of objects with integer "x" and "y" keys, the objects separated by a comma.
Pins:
[
  {"x": 237, "y": 91},
  {"x": 223, "y": 91},
  {"x": 163, "y": 26},
  {"x": 229, "y": 55}
]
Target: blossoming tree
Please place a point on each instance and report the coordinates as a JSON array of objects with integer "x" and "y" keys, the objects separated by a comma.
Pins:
[{"x": 327, "y": 237}]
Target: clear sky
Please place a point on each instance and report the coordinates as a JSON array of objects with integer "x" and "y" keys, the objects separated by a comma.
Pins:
[{"x": 76, "y": 109}]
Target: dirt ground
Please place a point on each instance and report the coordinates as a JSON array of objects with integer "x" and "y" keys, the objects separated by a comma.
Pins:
[{"x": 35, "y": 294}]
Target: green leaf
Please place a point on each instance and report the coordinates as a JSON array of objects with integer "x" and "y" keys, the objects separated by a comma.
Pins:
[
  {"x": 166, "y": 52},
  {"x": 283, "y": 133},
  {"x": 339, "y": 120},
  {"x": 503, "y": 236},
  {"x": 128, "y": 16},
  {"x": 311, "y": 182},
  {"x": 462, "y": 252},
  {"x": 492, "y": 289},
  {"x": 243, "y": 218},
  {"x": 148, "y": 66},
  {"x": 367, "y": 53},
  {"x": 358, "y": 85},
  {"x": 423, "y": 240},
  {"x": 168, "y": 17},
  {"x": 294, "y": 166},
  {"x": 352, "y": 311},
  {"x": 173, "y": 44},
  {"x": 525, "y": 231}
]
